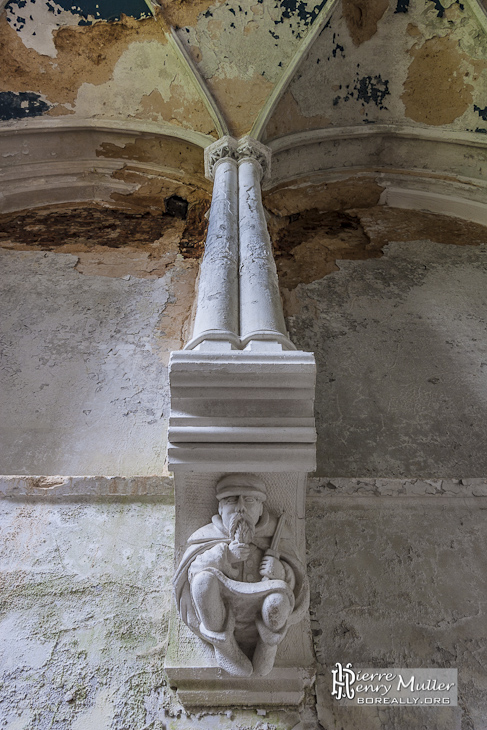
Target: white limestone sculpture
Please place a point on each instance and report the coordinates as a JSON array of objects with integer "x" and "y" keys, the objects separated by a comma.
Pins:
[{"x": 239, "y": 585}]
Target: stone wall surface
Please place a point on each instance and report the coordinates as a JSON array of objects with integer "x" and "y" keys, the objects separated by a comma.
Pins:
[
  {"x": 84, "y": 613},
  {"x": 396, "y": 580},
  {"x": 400, "y": 343},
  {"x": 86, "y": 340},
  {"x": 84, "y": 609}
]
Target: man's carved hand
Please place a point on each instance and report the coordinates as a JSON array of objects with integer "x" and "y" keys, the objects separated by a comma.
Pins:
[
  {"x": 239, "y": 551},
  {"x": 272, "y": 568}
]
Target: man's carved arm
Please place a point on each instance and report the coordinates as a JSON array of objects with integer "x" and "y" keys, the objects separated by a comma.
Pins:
[
  {"x": 218, "y": 557},
  {"x": 276, "y": 569}
]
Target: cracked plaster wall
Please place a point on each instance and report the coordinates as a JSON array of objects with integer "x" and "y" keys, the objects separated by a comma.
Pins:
[
  {"x": 86, "y": 598},
  {"x": 93, "y": 303},
  {"x": 392, "y": 302}
]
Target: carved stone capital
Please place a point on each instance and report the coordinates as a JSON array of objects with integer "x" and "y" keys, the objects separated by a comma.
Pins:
[
  {"x": 219, "y": 150},
  {"x": 248, "y": 147}
]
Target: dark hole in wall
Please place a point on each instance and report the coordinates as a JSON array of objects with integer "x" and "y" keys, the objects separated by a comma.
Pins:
[{"x": 176, "y": 207}]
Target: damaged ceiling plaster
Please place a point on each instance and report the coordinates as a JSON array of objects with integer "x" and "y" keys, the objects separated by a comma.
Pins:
[{"x": 115, "y": 102}]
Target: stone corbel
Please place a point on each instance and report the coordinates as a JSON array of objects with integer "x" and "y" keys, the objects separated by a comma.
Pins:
[{"x": 242, "y": 415}]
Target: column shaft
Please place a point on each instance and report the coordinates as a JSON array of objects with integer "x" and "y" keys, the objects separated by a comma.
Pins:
[
  {"x": 217, "y": 304},
  {"x": 261, "y": 315}
]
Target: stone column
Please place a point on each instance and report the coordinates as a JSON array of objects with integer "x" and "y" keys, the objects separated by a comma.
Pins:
[
  {"x": 261, "y": 316},
  {"x": 241, "y": 420},
  {"x": 217, "y": 304}
]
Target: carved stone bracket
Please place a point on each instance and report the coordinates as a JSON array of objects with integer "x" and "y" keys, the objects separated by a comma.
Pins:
[
  {"x": 240, "y": 584},
  {"x": 248, "y": 414}
]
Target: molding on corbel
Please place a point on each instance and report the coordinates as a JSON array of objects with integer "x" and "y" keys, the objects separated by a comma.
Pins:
[
  {"x": 50, "y": 164},
  {"x": 215, "y": 425}
]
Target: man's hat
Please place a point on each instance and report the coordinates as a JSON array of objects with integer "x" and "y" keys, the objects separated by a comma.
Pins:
[{"x": 234, "y": 484}]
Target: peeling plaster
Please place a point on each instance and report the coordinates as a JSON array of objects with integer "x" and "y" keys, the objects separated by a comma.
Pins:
[
  {"x": 298, "y": 196},
  {"x": 437, "y": 90},
  {"x": 146, "y": 82},
  {"x": 22, "y": 105},
  {"x": 96, "y": 301},
  {"x": 167, "y": 152},
  {"x": 356, "y": 82},
  {"x": 110, "y": 242},
  {"x": 309, "y": 243},
  {"x": 241, "y": 99},
  {"x": 59, "y": 80},
  {"x": 288, "y": 118},
  {"x": 308, "y": 247},
  {"x": 400, "y": 343},
  {"x": 403, "y": 588},
  {"x": 185, "y": 13},
  {"x": 242, "y": 48},
  {"x": 374, "y": 82},
  {"x": 36, "y": 22},
  {"x": 88, "y": 588},
  {"x": 362, "y": 17},
  {"x": 89, "y": 389}
]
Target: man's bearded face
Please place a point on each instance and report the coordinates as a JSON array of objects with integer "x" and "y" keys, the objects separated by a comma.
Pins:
[
  {"x": 240, "y": 528},
  {"x": 240, "y": 515}
]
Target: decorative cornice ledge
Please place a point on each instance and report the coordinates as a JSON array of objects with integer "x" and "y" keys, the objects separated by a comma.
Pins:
[
  {"x": 302, "y": 139},
  {"x": 40, "y": 125}
]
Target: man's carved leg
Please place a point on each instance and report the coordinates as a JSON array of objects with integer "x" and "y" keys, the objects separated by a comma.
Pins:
[
  {"x": 276, "y": 610},
  {"x": 205, "y": 589},
  {"x": 218, "y": 624},
  {"x": 272, "y": 628}
]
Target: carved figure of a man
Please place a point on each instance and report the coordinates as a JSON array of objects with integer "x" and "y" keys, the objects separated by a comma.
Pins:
[{"x": 239, "y": 585}]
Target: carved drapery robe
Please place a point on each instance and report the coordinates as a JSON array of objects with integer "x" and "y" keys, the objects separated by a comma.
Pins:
[{"x": 241, "y": 586}]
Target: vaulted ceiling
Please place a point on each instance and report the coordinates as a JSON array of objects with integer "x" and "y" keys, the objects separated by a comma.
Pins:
[{"x": 115, "y": 101}]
